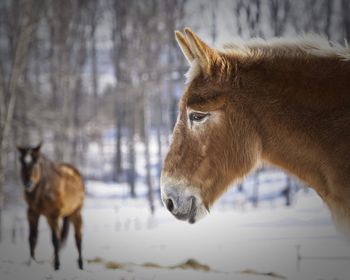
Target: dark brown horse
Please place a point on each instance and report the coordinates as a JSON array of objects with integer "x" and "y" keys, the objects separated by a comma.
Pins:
[
  {"x": 56, "y": 191},
  {"x": 285, "y": 102}
]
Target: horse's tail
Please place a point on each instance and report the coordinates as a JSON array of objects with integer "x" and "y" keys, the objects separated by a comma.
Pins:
[{"x": 64, "y": 230}]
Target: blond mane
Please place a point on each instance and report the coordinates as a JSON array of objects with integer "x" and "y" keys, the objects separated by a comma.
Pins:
[
  {"x": 302, "y": 47},
  {"x": 307, "y": 45}
]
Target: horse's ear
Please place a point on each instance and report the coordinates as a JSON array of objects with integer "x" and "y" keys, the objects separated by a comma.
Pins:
[
  {"x": 20, "y": 149},
  {"x": 205, "y": 55},
  {"x": 184, "y": 46},
  {"x": 38, "y": 147}
]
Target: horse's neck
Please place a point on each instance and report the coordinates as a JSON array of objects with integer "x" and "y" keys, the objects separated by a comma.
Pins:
[
  {"x": 48, "y": 171},
  {"x": 294, "y": 115},
  {"x": 294, "y": 150}
]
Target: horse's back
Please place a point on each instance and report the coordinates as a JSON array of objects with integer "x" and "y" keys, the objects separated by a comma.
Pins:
[
  {"x": 71, "y": 188},
  {"x": 67, "y": 169}
]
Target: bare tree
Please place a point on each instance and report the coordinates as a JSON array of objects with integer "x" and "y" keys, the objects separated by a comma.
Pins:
[
  {"x": 248, "y": 13},
  {"x": 10, "y": 83},
  {"x": 214, "y": 23},
  {"x": 119, "y": 54},
  {"x": 328, "y": 7},
  {"x": 94, "y": 17},
  {"x": 345, "y": 8},
  {"x": 279, "y": 14},
  {"x": 68, "y": 38}
]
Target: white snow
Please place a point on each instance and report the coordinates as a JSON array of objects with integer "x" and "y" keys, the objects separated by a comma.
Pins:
[{"x": 229, "y": 241}]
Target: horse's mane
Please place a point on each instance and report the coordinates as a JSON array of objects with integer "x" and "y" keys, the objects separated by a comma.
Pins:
[
  {"x": 49, "y": 169},
  {"x": 71, "y": 167},
  {"x": 302, "y": 46}
]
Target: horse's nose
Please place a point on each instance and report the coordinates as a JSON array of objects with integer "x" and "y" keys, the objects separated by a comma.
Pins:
[
  {"x": 28, "y": 185},
  {"x": 182, "y": 207},
  {"x": 182, "y": 200},
  {"x": 169, "y": 203}
]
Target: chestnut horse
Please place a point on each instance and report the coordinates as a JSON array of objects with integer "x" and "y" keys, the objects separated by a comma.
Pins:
[
  {"x": 56, "y": 191},
  {"x": 284, "y": 102}
]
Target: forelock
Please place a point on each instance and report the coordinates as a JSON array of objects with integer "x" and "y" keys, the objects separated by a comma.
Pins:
[
  {"x": 28, "y": 158},
  {"x": 193, "y": 71}
]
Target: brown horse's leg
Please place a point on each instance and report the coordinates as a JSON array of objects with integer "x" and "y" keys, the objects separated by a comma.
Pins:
[
  {"x": 55, "y": 236},
  {"x": 64, "y": 231},
  {"x": 77, "y": 221},
  {"x": 33, "y": 220}
]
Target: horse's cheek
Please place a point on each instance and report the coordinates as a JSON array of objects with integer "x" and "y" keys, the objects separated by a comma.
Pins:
[{"x": 35, "y": 176}]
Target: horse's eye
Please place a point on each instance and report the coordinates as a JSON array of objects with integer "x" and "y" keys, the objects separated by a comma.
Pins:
[{"x": 197, "y": 117}]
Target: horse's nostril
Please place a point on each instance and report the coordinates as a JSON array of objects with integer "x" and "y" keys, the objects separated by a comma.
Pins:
[{"x": 170, "y": 204}]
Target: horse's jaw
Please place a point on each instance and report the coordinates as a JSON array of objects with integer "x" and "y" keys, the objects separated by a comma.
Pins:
[{"x": 30, "y": 188}]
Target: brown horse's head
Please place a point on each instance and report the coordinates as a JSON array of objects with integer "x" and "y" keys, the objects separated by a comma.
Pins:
[
  {"x": 214, "y": 142},
  {"x": 30, "y": 169}
]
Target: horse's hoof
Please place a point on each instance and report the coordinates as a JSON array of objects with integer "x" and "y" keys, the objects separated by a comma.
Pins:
[
  {"x": 80, "y": 264},
  {"x": 57, "y": 265}
]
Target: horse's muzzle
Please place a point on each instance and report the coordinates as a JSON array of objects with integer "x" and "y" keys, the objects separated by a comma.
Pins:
[
  {"x": 29, "y": 186},
  {"x": 182, "y": 201},
  {"x": 182, "y": 209}
]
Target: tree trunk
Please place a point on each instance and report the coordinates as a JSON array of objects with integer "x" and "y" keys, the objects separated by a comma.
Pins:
[
  {"x": 213, "y": 31},
  {"x": 26, "y": 28},
  {"x": 329, "y": 13},
  {"x": 119, "y": 112},
  {"x": 122, "y": 77},
  {"x": 131, "y": 150},
  {"x": 147, "y": 154},
  {"x": 131, "y": 171},
  {"x": 93, "y": 52},
  {"x": 159, "y": 139},
  {"x": 2, "y": 183},
  {"x": 346, "y": 20}
]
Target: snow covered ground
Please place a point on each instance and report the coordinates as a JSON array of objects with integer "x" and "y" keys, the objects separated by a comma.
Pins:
[{"x": 123, "y": 241}]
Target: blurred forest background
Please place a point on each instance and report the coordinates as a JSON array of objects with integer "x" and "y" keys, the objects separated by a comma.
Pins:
[{"x": 98, "y": 82}]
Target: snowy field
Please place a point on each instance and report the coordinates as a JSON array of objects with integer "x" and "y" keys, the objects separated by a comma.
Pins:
[{"x": 123, "y": 241}]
